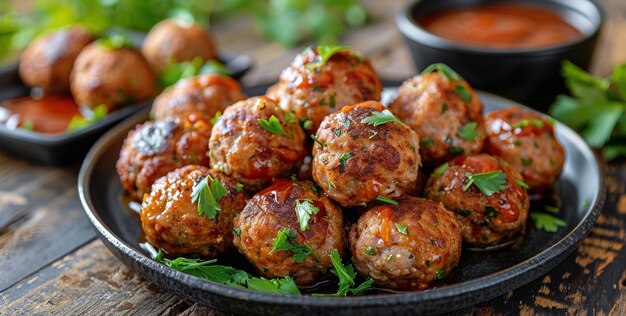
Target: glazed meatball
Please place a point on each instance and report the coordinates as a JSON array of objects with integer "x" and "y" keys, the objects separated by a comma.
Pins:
[
  {"x": 277, "y": 211},
  {"x": 406, "y": 246},
  {"x": 153, "y": 149},
  {"x": 170, "y": 219},
  {"x": 255, "y": 142},
  {"x": 207, "y": 94},
  {"x": 489, "y": 218},
  {"x": 312, "y": 90},
  {"x": 445, "y": 112},
  {"x": 111, "y": 76},
  {"x": 175, "y": 41},
  {"x": 47, "y": 62},
  {"x": 526, "y": 140},
  {"x": 356, "y": 158}
]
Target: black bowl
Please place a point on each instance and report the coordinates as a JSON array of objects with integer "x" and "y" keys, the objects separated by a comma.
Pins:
[{"x": 527, "y": 75}]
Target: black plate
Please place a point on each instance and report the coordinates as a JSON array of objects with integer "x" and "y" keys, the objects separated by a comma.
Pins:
[
  {"x": 71, "y": 147},
  {"x": 479, "y": 277}
]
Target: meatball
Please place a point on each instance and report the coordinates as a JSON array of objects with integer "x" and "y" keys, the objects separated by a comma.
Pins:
[
  {"x": 445, "y": 112},
  {"x": 363, "y": 152},
  {"x": 312, "y": 89},
  {"x": 175, "y": 41},
  {"x": 277, "y": 212},
  {"x": 492, "y": 208},
  {"x": 153, "y": 149},
  {"x": 255, "y": 142},
  {"x": 170, "y": 219},
  {"x": 207, "y": 94},
  {"x": 406, "y": 246},
  {"x": 47, "y": 62},
  {"x": 112, "y": 76},
  {"x": 526, "y": 140}
]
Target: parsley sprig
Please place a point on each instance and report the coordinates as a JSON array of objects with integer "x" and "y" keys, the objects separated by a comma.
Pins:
[
  {"x": 325, "y": 52},
  {"x": 207, "y": 194},
  {"x": 273, "y": 125},
  {"x": 226, "y": 275},
  {"x": 488, "y": 183},
  {"x": 443, "y": 69},
  {"x": 286, "y": 241},
  {"x": 83, "y": 120},
  {"x": 346, "y": 275},
  {"x": 468, "y": 132},
  {"x": 380, "y": 118},
  {"x": 304, "y": 209},
  {"x": 547, "y": 222}
]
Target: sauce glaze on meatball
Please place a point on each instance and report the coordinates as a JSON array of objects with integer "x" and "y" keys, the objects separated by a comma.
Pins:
[
  {"x": 445, "y": 112},
  {"x": 312, "y": 91},
  {"x": 242, "y": 148},
  {"x": 487, "y": 220},
  {"x": 406, "y": 246},
  {"x": 170, "y": 218},
  {"x": 355, "y": 161},
  {"x": 273, "y": 210},
  {"x": 153, "y": 149},
  {"x": 526, "y": 140},
  {"x": 207, "y": 94},
  {"x": 47, "y": 62}
]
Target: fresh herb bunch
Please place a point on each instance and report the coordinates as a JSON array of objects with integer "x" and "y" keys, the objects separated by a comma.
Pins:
[{"x": 596, "y": 108}]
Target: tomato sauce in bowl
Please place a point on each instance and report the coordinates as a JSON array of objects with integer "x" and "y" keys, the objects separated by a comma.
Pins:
[
  {"x": 501, "y": 26},
  {"x": 47, "y": 115}
]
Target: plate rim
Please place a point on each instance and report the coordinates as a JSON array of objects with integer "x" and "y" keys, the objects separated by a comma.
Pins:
[{"x": 538, "y": 264}]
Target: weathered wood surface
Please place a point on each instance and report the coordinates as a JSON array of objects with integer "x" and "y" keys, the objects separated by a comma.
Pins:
[{"x": 52, "y": 264}]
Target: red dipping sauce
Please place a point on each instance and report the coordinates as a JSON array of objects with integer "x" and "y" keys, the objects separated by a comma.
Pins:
[
  {"x": 46, "y": 115},
  {"x": 501, "y": 26}
]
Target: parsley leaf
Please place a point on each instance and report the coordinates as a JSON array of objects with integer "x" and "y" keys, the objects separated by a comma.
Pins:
[
  {"x": 207, "y": 193},
  {"x": 488, "y": 183},
  {"x": 547, "y": 222},
  {"x": 313, "y": 137},
  {"x": 304, "y": 210},
  {"x": 272, "y": 125},
  {"x": 325, "y": 52},
  {"x": 443, "y": 69},
  {"x": 524, "y": 123},
  {"x": 346, "y": 275},
  {"x": 440, "y": 170},
  {"x": 370, "y": 251},
  {"x": 214, "y": 67},
  {"x": 551, "y": 209},
  {"x": 403, "y": 229},
  {"x": 116, "y": 40},
  {"x": 440, "y": 274},
  {"x": 468, "y": 131},
  {"x": 88, "y": 118},
  {"x": 462, "y": 92},
  {"x": 380, "y": 118},
  {"x": 522, "y": 184},
  {"x": 342, "y": 161},
  {"x": 386, "y": 200},
  {"x": 286, "y": 241}
]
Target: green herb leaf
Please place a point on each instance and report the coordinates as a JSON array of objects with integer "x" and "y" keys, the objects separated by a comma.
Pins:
[
  {"x": 468, "y": 131},
  {"x": 239, "y": 187},
  {"x": 272, "y": 125},
  {"x": 28, "y": 125},
  {"x": 370, "y": 251},
  {"x": 214, "y": 67},
  {"x": 547, "y": 222},
  {"x": 116, "y": 40},
  {"x": 237, "y": 231},
  {"x": 207, "y": 194},
  {"x": 342, "y": 161},
  {"x": 325, "y": 52},
  {"x": 462, "y": 92},
  {"x": 379, "y": 118},
  {"x": 403, "y": 229},
  {"x": 386, "y": 200},
  {"x": 346, "y": 275},
  {"x": 527, "y": 161},
  {"x": 427, "y": 143},
  {"x": 304, "y": 210},
  {"x": 440, "y": 274},
  {"x": 323, "y": 144},
  {"x": 490, "y": 211},
  {"x": 440, "y": 170},
  {"x": 522, "y": 184},
  {"x": 91, "y": 116},
  {"x": 488, "y": 183},
  {"x": 286, "y": 241},
  {"x": 524, "y": 123},
  {"x": 443, "y": 69},
  {"x": 551, "y": 209}
]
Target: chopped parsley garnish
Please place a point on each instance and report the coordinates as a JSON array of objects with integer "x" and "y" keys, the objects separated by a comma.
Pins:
[
  {"x": 386, "y": 200},
  {"x": 551, "y": 209},
  {"x": 304, "y": 210},
  {"x": 207, "y": 194},
  {"x": 116, "y": 40},
  {"x": 216, "y": 117},
  {"x": 490, "y": 211},
  {"x": 488, "y": 183},
  {"x": 313, "y": 137},
  {"x": 456, "y": 150},
  {"x": 527, "y": 161},
  {"x": 524, "y": 123},
  {"x": 332, "y": 101},
  {"x": 78, "y": 121},
  {"x": 28, "y": 125},
  {"x": 290, "y": 118},
  {"x": 337, "y": 132},
  {"x": 286, "y": 241},
  {"x": 380, "y": 118},
  {"x": 346, "y": 275},
  {"x": 229, "y": 276},
  {"x": 462, "y": 212},
  {"x": 440, "y": 170},
  {"x": 237, "y": 231},
  {"x": 370, "y": 251},
  {"x": 403, "y": 229},
  {"x": 427, "y": 143},
  {"x": 325, "y": 52},
  {"x": 462, "y": 92},
  {"x": 239, "y": 187},
  {"x": 342, "y": 161},
  {"x": 586, "y": 202},
  {"x": 468, "y": 131},
  {"x": 443, "y": 69},
  {"x": 547, "y": 222},
  {"x": 440, "y": 274},
  {"x": 272, "y": 125},
  {"x": 306, "y": 123},
  {"x": 522, "y": 184},
  {"x": 444, "y": 108},
  {"x": 331, "y": 185}
]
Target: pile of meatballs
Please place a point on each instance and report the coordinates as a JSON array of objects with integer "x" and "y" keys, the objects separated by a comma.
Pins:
[
  {"x": 111, "y": 71},
  {"x": 321, "y": 157}
]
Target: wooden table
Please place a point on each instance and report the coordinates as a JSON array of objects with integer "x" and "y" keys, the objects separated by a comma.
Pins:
[{"x": 52, "y": 262}]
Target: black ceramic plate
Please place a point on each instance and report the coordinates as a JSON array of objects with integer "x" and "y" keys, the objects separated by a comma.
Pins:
[
  {"x": 71, "y": 147},
  {"x": 480, "y": 276}
]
